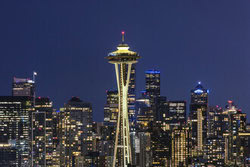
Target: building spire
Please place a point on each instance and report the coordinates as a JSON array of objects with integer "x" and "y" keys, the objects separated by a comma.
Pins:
[{"x": 123, "y": 33}]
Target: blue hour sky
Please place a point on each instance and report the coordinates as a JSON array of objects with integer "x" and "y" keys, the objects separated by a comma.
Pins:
[{"x": 187, "y": 40}]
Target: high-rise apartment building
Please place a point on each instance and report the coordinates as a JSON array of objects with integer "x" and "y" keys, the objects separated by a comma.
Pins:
[
  {"x": 180, "y": 146},
  {"x": 111, "y": 108},
  {"x": 234, "y": 150},
  {"x": 42, "y": 129},
  {"x": 75, "y": 135},
  {"x": 14, "y": 128},
  {"x": 215, "y": 142},
  {"x": 56, "y": 137}
]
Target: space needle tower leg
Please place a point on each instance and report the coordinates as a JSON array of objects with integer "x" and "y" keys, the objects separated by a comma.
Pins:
[{"x": 122, "y": 140}]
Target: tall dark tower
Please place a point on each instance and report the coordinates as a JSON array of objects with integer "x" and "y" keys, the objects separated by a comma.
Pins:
[
  {"x": 123, "y": 59},
  {"x": 152, "y": 86},
  {"x": 198, "y": 117},
  {"x": 132, "y": 98},
  {"x": 152, "y": 78}
]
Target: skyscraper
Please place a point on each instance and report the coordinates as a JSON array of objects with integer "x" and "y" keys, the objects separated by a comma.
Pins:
[
  {"x": 160, "y": 146},
  {"x": 123, "y": 59},
  {"x": 215, "y": 142},
  {"x": 145, "y": 156},
  {"x": 180, "y": 146},
  {"x": 152, "y": 90},
  {"x": 198, "y": 120},
  {"x": 111, "y": 108},
  {"x": 132, "y": 98},
  {"x": 144, "y": 112},
  {"x": 175, "y": 123},
  {"x": 14, "y": 128},
  {"x": 110, "y": 122},
  {"x": 42, "y": 132},
  {"x": 22, "y": 87},
  {"x": 160, "y": 109},
  {"x": 176, "y": 114},
  {"x": 75, "y": 132},
  {"x": 234, "y": 151},
  {"x": 153, "y": 83}
]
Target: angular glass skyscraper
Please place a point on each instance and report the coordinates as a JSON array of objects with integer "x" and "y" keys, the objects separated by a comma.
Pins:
[{"x": 198, "y": 118}]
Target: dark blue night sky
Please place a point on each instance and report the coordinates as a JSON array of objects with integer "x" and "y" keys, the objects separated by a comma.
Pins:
[{"x": 188, "y": 41}]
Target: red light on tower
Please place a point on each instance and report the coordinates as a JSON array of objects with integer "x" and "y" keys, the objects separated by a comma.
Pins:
[{"x": 123, "y": 33}]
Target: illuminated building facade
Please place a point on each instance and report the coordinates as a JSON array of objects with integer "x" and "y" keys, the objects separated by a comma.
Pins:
[
  {"x": 160, "y": 146},
  {"x": 144, "y": 112},
  {"x": 111, "y": 108},
  {"x": 160, "y": 138},
  {"x": 23, "y": 87},
  {"x": 42, "y": 133},
  {"x": 14, "y": 128},
  {"x": 215, "y": 121},
  {"x": 56, "y": 116},
  {"x": 215, "y": 142},
  {"x": 215, "y": 151},
  {"x": 152, "y": 90},
  {"x": 75, "y": 132},
  {"x": 123, "y": 59},
  {"x": 132, "y": 98},
  {"x": 110, "y": 121},
  {"x": 176, "y": 115},
  {"x": 234, "y": 150},
  {"x": 175, "y": 124},
  {"x": 153, "y": 83},
  {"x": 180, "y": 146},
  {"x": 198, "y": 121},
  {"x": 145, "y": 154}
]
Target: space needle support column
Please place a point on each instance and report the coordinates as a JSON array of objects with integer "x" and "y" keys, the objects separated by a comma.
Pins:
[
  {"x": 127, "y": 143},
  {"x": 119, "y": 114}
]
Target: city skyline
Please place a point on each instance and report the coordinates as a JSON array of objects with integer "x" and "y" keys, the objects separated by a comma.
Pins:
[
  {"x": 202, "y": 41},
  {"x": 125, "y": 84}
]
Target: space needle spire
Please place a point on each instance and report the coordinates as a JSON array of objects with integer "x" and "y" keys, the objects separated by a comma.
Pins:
[{"x": 123, "y": 59}]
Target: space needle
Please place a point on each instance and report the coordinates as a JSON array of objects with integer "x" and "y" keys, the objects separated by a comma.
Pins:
[{"x": 123, "y": 59}]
